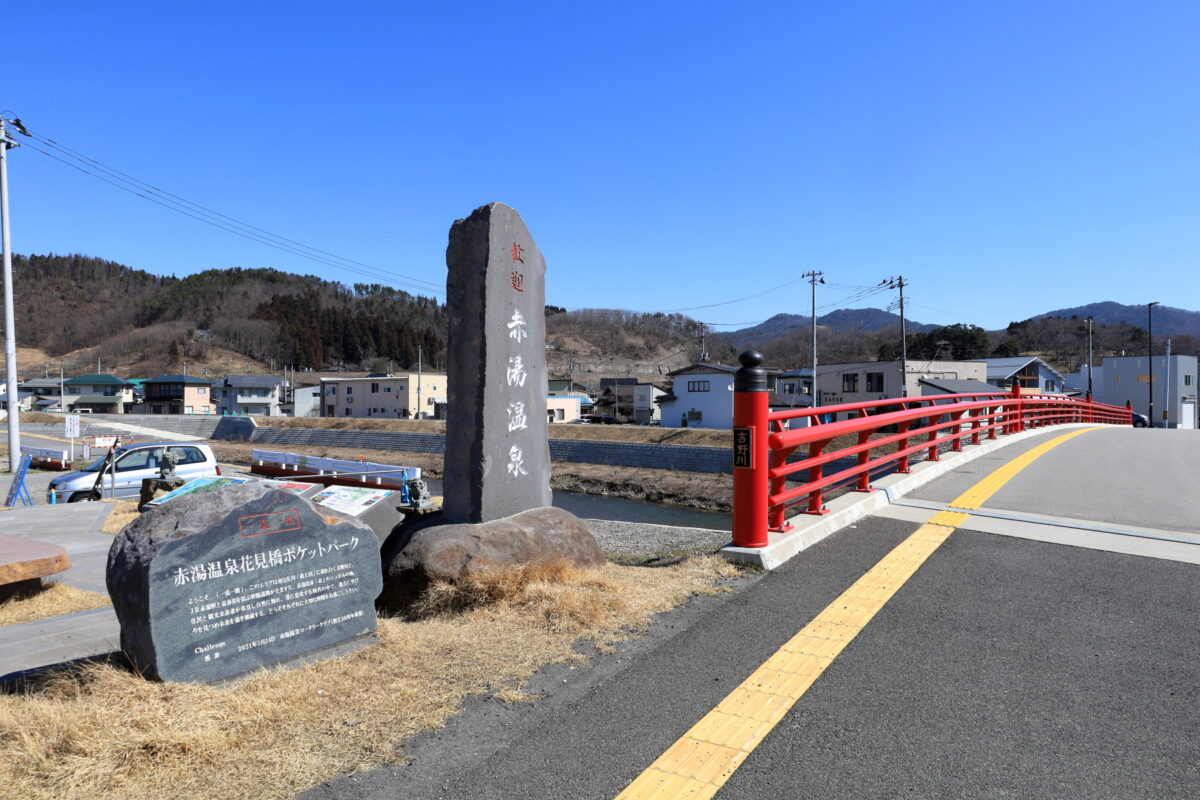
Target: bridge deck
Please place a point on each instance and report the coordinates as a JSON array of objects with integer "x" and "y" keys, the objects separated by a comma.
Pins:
[{"x": 1002, "y": 667}]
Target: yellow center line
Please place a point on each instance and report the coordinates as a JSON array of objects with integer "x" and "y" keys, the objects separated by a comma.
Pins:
[{"x": 699, "y": 763}]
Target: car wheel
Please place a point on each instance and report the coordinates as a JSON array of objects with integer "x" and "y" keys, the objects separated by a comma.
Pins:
[
  {"x": 83, "y": 497},
  {"x": 1138, "y": 423}
]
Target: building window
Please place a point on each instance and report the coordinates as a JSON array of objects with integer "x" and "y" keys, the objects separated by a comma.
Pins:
[
  {"x": 374, "y": 388},
  {"x": 697, "y": 386},
  {"x": 387, "y": 388},
  {"x": 347, "y": 413},
  {"x": 201, "y": 390},
  {"x": 349, "y": 389},
  {"x": 188, "y": 410},
  {"x": 1187, "y": 380},
  {"x": 850, "y": 382},
  {"x": 789, "y": 388},
  {"x": 332, "y": 390},
  {"x": 874, "y": 381}
]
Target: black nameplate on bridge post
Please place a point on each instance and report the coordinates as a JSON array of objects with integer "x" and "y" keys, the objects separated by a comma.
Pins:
[{"x": 743, "y": 448}]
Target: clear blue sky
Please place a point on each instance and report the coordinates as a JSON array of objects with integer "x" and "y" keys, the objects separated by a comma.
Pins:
[{"x": 1006, "y": 158}]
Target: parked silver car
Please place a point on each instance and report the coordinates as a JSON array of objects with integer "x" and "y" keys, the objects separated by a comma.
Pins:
[{"x": 132, "y": 464}]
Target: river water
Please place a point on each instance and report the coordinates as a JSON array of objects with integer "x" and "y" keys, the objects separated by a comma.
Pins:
[{"x": 590, "y": 506}]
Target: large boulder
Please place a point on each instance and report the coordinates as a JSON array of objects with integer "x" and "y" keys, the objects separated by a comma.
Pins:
[
  {"x": 434, "y": 549},
  {"x": 216, "y": 584}
]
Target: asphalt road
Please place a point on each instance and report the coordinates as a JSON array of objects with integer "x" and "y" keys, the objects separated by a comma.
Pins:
[{"x": 1004, "y": 668}]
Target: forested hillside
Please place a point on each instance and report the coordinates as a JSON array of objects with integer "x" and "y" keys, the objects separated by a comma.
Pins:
[
  {"x": 130, "y": 317},
  {"x": 78, "y": 310}
]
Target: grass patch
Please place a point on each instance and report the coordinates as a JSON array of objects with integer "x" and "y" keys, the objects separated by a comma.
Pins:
[
  {"x": 50, "y": 599},
  {"x": 123, "y": 513},
  {"x": 97, "y": 731}
]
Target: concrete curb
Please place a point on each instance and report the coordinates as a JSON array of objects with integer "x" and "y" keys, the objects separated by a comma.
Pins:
[{"x": 808, "y": 530}]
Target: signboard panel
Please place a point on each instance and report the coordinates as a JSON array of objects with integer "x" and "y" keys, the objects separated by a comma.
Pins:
[
  {"x": 352, "y": 500},
  {"x": 71, "y": 426}
]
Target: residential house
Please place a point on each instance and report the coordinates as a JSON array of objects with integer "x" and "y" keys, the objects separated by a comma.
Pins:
[
  {"x": 177, "y": 394},
  {"x": 1033, "y": 375},
  {"x": 646, "y": 408},
  {"x": 306, "y": 402},
  {"x": 47, "y": 393},
  {"x": 100, "y": 394},
  {"x": 249, "y": 395},
  {"x": 880, "y": 380},
  {"x": 702, "y": 396},
  {"x": 396, "y": 396},
  {"x": 1127, "y": 379},
  {"x": 563, "y": 408},
  {"x": 794, "y": 387},
  {"x": 616, "y": 398},
  {"x": 24, "y": 399},
  {"x": 935, "y": 386}
]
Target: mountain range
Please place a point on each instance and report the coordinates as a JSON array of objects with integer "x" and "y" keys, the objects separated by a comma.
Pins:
[{"x": 1168, "y": 321}]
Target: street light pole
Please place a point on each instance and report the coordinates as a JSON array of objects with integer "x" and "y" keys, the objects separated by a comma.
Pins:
[
  {"x": 1089, "y": 392},
  {"x": 1150, "y": 354}
]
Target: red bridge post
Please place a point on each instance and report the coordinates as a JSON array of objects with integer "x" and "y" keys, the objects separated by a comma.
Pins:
[{"x": 751, "y": 409}]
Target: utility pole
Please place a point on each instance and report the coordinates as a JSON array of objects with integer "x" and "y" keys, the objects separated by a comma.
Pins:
[
  {"x": 420, "y": 351},
  {"x": 10, "y": 336},
  {"x": 898, "y": 283},
  {"x": 813, "y": 276},
  {"x": 1150, "y": 354},
  {"x": 1089, "y": 392}
]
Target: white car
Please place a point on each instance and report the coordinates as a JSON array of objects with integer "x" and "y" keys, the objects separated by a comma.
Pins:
[{"x": 132, "y": 464}]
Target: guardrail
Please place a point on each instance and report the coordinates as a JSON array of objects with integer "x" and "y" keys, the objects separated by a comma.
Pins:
[
  {"x": 882, "y": 435},
  {"x": 332, "y": 471},
  {"x": 44, "y": 458}
]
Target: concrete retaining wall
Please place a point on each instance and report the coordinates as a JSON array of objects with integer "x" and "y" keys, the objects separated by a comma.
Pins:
[{"x": 619, "y": 454}]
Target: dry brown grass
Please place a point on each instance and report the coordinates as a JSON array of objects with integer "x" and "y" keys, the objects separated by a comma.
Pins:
[
  {"x": 51, "y": 600},
  {"x": 102, "y": 732},
  {"x": 123, "y": 513}
]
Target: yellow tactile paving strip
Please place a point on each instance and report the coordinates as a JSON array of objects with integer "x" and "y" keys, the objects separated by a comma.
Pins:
[{"x": 705, "y": 757}]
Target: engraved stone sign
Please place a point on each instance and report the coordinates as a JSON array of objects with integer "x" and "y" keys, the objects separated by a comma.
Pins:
[
  {"x": 497, "y": 454},
  {"x": 216, "y": 584}
]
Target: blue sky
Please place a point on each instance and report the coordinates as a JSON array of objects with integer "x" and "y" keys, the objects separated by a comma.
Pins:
[{"x": 1006, "y": 158}]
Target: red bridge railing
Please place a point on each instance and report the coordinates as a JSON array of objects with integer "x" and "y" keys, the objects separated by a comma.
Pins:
[{"x": 870, "y": 438}]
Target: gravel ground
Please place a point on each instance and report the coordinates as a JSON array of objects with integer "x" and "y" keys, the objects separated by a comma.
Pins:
[{"x": 641, "y": 540}]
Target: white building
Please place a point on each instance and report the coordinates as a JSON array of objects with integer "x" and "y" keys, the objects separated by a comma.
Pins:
[
  {"x": 563, "y": 408},
  {"x": 882, "y": 380},
  {"x": 396, "y": 396},
  {"x": 702, "y": 396},
  {"x": 243, "y": 395},
  {"x": 645, "y": 403},
  {"x": 1127, "y": 379}
]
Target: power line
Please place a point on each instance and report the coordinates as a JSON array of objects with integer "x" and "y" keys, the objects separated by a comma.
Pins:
[{"x": 147, "y": 191}]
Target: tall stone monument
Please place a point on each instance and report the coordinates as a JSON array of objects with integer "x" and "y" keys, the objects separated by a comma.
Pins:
[
  {"x": 497, "y": 508},
  {"x": 497, "y": 454}
]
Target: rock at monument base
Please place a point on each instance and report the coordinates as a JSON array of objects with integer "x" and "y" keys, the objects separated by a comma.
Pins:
[
  {"x": 214, "y": 585},
  {"x": 434, "y": 549}
]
